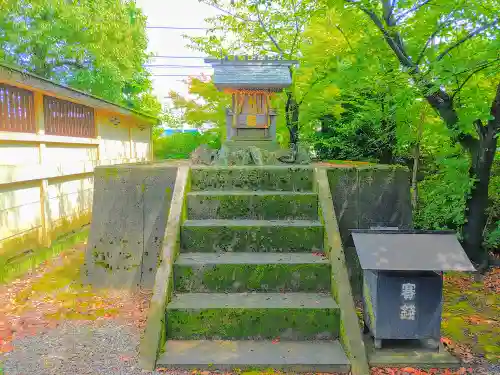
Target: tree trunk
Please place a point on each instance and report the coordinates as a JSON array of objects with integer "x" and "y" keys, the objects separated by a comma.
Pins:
[
  {"x": 482, "y": 157},
  {"x": 292, "y": 118},
  {"x": 477, "y": 203}
]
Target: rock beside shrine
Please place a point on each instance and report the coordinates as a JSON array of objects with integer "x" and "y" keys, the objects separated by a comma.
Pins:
[
  {"x": 203, "y": 155},
  {"x": 249, "y": 155}
]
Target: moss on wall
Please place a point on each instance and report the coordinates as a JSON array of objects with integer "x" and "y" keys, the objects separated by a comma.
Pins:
[
  {"x": 298, "y": 324},
  {"x": 13, "y": 267},
  {"x": 30, "y": 241}
]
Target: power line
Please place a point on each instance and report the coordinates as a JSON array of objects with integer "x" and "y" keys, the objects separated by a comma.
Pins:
[
  {"x": 179, "y": 75},
  {"x": 176, "y": 66},
  {"x": 176, "y": 28},
  {"x": 179, "y": 57}
]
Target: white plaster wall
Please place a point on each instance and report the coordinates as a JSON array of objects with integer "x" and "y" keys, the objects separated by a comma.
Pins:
[
  {"x": 140, "y": 143},
  {"x": 19, "y": 208},
  {"x": 67, "y": 168},
  {"x": 18, "y": 154},
  {"x": 114, "y": 140},
  {"x": 55, "y": 153},
  {"x": 69, "y": 197}
]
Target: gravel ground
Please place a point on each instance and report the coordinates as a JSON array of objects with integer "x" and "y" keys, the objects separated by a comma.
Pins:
[
  {"x": 95, "y": 348},
  {"x": 76, "y": 349}
]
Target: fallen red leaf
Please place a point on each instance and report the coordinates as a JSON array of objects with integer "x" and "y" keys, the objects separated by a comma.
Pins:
[
  {"x": 276, "y": 340},
  {"x": 410, "y": 370},
  {"x": 446, "y": 341},
  {"x": 6, "y": 348}
]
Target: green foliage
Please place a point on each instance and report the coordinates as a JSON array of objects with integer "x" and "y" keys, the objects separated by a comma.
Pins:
[
  {"x": 492, "y": 239},
  {"x": 205, "y": 105},
  {"x": 443, "y": 195},
  {"x": 257, "y": 28},
  {"x": 446, "y": 55},
  {"x": 350, "y": 97},
  {"x": 181, "y": 145},
  {"x": 96, "y": 46}
]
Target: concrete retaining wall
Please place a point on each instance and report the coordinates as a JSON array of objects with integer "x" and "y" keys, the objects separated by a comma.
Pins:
[
  {"x": 130, "y": 210},
  {"x": 369, "y": 196}
]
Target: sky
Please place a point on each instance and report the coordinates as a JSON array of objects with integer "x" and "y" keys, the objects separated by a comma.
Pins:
[{"x": 168, "y": 42}]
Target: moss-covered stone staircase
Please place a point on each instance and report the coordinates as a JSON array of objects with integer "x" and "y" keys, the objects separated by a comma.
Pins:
[{"x": 251, "y": 287}]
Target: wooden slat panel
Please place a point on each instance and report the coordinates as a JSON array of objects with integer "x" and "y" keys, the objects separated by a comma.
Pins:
[
  {"x": 68, "y": 119},
  {"x": 17, "y": 112}
]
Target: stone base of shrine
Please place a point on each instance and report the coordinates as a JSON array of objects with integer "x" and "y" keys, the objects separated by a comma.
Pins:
[
  {"x": 238, "y": 143},
  {"x": 406, "y": 354}
]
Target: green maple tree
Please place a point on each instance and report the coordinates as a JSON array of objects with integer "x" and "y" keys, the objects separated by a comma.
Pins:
[{"x": 96, "y": 46}]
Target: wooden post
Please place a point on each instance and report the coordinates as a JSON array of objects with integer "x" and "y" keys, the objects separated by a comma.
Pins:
[
  {"x": 44, "y": 235},
  {"x": 98, "y": 137},
  {"x": 130, "y": 142},
  {"x": 39, "y": 122},
  {"x": 151, "y": 150}
]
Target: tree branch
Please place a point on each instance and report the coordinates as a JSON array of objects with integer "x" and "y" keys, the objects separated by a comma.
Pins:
[
  {"x": 413, "y": 9},
  {"x": 311, "y": 86},
  {"x": 438, "y": 98},
  {"x": 213, "y": 4},
  {"x": 433, "y": 35},
  {"x": 267, "y": 32},
  {"x": 297, "y": 29},
  {"x": 401, "y": 54},
  {"x": 74, "y": 63},
  {"x": 388, "y": 7},
  {"x": 472, "y": 34},
  {"x": 477, "y": 70},
  {"x": 345, "y": 37}
]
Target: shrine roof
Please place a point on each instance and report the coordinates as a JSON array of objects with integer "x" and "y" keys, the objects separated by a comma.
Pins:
[
  {"x": 410, "y": 250},
  {"x": 251, "y": 74}
]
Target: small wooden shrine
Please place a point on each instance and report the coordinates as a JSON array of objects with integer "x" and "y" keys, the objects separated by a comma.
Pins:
[{"x": 251, "y": 84}]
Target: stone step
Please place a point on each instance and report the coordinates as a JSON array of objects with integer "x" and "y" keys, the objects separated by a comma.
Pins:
[
  {"x": 276, "y": 178},
  {"x": 260, "y": 205},
  {"x": 287, "y": 356},
  {"x": 252, "y": 235},
  {"x": 288, "y": 316},
  {"x": 242, "y": 272}
]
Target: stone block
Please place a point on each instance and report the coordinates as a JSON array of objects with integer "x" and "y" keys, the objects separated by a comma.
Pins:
[
  {"x": 242, "y": 272},
  {"x": 276, "y": 178},
  {"x": 257, "y": 205},
  {"x": 289, "y": 316},
  {"x": 251, "y": 236}
]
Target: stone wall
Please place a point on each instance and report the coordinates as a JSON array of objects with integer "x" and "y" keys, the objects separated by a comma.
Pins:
[
  {"x": 130, "y": 210},
  {"x": 369, "y": 196}
]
